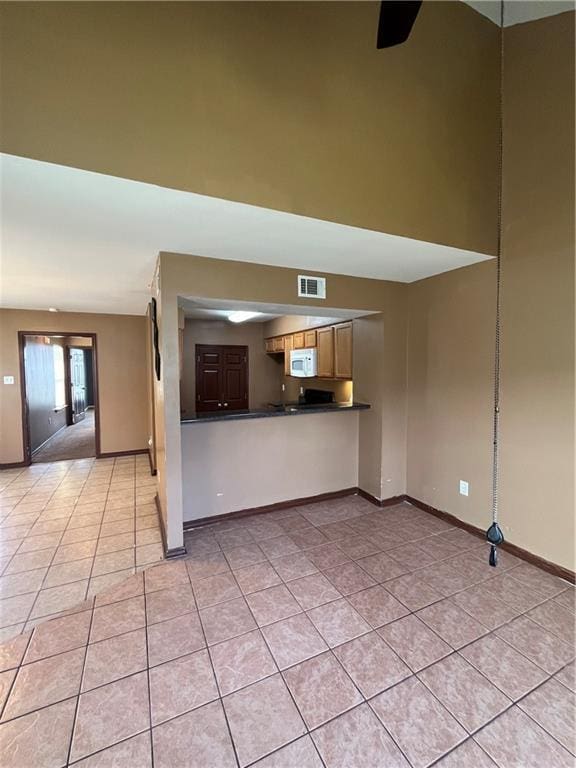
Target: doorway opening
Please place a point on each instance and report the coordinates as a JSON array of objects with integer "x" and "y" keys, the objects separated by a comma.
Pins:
[
  {"x": 221, "y": 377},
  {"x": 59, "y": 376}
]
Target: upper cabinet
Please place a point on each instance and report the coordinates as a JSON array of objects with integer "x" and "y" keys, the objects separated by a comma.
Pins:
[
  {"x": 288, "y": 345},
  {"x": 343, "y": 351},
  {"x": 333, "y": 344},
  {"x": 298, "y": 339},
  {"x": 325, "y": 337},
  {"x": 309, "y": 339}
]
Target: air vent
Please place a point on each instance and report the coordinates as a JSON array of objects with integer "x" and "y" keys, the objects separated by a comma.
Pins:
[{"x": 312, "y": 287}]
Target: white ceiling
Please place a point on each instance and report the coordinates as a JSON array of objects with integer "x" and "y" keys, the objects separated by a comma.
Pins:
[
  {"x": 83, "y": 241},
  {"x": 520, "y": 11}
]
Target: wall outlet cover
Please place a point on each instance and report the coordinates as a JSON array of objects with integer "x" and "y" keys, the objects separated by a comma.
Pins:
[
  {"x": 8, "y": 379},
  {"x": 463, "y": 488}
]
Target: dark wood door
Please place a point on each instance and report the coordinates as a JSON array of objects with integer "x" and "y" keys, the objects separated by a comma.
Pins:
[
  {"x": 77, "y": 383},
  {"x": 221, "y": 378}
]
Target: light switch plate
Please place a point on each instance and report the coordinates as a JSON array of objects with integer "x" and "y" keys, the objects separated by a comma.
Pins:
[
  {"x": 463, "y": 488},
  {"x": 8, "y": 379}
]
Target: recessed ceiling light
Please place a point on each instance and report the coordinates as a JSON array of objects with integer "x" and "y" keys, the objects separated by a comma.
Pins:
[
  {"x": 52, "y": 309},
  {"x": 241, "y": 317}
]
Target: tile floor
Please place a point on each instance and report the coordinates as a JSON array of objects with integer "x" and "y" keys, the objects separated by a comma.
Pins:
[
  {"x": 70, "y": 529},
  {"x": 334, "y": 635}
]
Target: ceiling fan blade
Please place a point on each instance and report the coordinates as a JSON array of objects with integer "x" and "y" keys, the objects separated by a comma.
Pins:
[{"x": 397, "y": 18}]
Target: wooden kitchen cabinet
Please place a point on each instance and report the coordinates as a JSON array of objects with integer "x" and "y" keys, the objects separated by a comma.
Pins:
[
  {"x": 298, "y": 340},
  {"x": 325, "y": 352},
  {"x": 279, "y": 344},
  {"x": 343, "y": 351},
  {"x": 269, "y": 345},
  {"x": 288, "y": 346},
  {"x": 309, "y": 339}
]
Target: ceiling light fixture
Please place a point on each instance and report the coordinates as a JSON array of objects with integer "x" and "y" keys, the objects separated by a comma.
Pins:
[
  {"x": 241, "y": 317},
  {"x": 52, "y": 309}
]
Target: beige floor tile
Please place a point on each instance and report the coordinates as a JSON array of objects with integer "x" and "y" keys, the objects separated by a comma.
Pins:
[
  {"x": 14, "y": 610},
  {"x": 321, "y": 689},
  {"x": 114, "y": 658},
  {"x": 109, "y": 714},
  {"x": 241, "y": 661},
  {"x": 174, "y": 638},
  {"x": 65, "y": 573},
  {"x": 509, "y": 670},
  {"x": 226, "y": 620},
  {"x": 338, "y": 622},
  {"x": 514, "y": 739},
  {"x": 313, "y": 590},
  {"x": 22, "y": 583},
  {"x": 58, "y": 636},
  {"x": 272, "y": 604},
  {"x": 262, "y": 718},
  {"x": 293, "y": 640},
  {"x": 117, "y": 618},
  {"x": 114, "y": 561},
  {"x": 553, "y": 707},
  {"x": 423, "y": 729},
  {"x": 540, "y": 646},
  {"x": 45, "y": 682},
  {"x": 41, "y": 738},
  {"x": 357, "y": 738},
  {"x": 414, "y": 642},
  {"x": 202, "y": 733},
  {"x": 181, "y": 685},
  {"x": 371, "y": 663},
  {"x": 55, "y": 599},
  {"x": 135, "y": 752}
]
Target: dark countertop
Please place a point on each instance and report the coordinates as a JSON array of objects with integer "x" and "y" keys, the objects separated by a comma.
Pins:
[{"x": 273, "y": 411}]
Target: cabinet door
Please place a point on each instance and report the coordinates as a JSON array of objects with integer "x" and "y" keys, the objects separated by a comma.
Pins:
[
  {"x": 343, "y": 351},
  {"x": 279, "y": 344},
  {"x": 325, "y": 343},
  {"x": 269, "y": 345},
  {"x": 298, "y": 340},
  {"x": 288, "y": 345},
  {"x": 309, "y": 339}
]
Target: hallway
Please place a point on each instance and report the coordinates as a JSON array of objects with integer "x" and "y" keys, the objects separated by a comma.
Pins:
[{"x": 74, "y": 442}]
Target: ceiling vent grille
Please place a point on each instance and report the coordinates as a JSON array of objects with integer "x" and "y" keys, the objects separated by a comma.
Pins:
[{"x": 312, "y": 287}]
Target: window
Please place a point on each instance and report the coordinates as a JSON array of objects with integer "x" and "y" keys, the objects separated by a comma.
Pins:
[{"x": 59, "y": 378}]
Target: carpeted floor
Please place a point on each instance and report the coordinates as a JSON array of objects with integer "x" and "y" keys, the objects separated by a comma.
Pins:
[{"x": 75, "y": 442}]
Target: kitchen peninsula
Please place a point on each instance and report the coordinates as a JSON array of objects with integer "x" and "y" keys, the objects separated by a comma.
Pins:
[{"x": 238, "y": 461}]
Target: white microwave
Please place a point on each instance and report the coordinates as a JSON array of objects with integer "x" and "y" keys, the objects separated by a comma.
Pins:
[{"x": 303, "y": 363}]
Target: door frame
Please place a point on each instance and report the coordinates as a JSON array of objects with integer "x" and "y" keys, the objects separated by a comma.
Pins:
[
  {"x": 221, "y": 346},
  {"x": 26, "y": 451}
]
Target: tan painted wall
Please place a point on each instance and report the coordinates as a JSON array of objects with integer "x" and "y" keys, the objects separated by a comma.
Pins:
[
  {"x": 186, "y": 275},
  {"x": 451, "y": 327},
  {"x": 121, "y": 349},
  {"x": 538, "y": 288},
  {"x": 285, "y": 105},
  {"x": 264, "y": 372},
  {"x": 312, "y": 454}
]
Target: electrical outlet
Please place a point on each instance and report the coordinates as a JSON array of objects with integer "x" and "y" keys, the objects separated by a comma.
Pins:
[
  {"x": 463, "y": 488},
  {"x": 8, "y": 379}
]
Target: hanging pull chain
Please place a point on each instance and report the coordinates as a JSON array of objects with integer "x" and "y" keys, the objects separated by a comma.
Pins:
[{"x": 494, "y": 534}]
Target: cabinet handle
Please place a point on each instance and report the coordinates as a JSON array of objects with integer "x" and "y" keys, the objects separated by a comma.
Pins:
[
  {"x": 225, "y": 405},
  {"x": 219, "y": 405}
]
